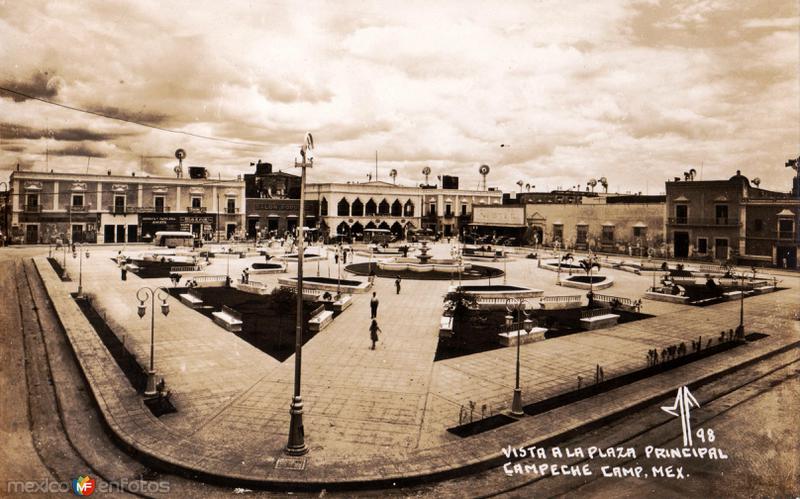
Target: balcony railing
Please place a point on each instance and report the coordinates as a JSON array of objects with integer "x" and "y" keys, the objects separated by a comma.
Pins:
[
  {"x": 78, "y": 208},
  {"x": 148, "y": 209},
  {"x": 33, "y": 208},
  {"x": 231, "y": 210},
  {"x": 195, "y": 209},
  {"x": 118, "y": 210},
  {"x": 713, "y": 222}
]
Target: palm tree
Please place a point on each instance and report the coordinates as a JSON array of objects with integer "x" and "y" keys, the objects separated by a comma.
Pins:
[
  {"x": 459, "y": 303},
  {"x": 587, "y": 264},
  {"x": 566, "y": 257}
]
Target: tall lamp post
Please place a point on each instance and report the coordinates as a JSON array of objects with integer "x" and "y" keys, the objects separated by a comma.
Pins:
[
  {"x": 296, "y": 445},
  {"x": 517, "y": 306},
  {"x": 79, "y": 254},
  {"x": 740, "y": 327},
  {"x": 142, "y": 295}
]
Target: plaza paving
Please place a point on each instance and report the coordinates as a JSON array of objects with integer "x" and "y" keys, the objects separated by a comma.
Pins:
[{"x": 233, "y": 400}]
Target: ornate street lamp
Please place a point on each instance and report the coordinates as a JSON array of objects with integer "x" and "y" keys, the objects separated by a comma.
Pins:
[
  {"x": 296, "y": 445},
  {"x": 142, "y": 295},
  {"x": 517, "y": 306},
  {"x": 740, "y": 327}
]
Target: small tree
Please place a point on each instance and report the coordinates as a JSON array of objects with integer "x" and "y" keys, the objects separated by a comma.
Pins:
[
  {"x": 283, "y": 299},
  {"x": 587, "y": 264}
]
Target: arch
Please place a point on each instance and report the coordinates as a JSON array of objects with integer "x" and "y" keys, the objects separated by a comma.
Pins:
[
  {"x": 343, "y": 208},
  {"x": 370, "y": 225},
  {"x": 384, "y": 225},
  {"x": 383, "y": 208},
  {"x": 323, "y": 207},
  {"x": 408, "y": 210},
  {"x": 357, "y": 208},
  {"x": 357, "y": 229},
  {"x": 397, "y": 208},
  {"x": 343, "y": 229},
  {"x": 370, "y": 208},
  {"x": 397, "y": 229}
]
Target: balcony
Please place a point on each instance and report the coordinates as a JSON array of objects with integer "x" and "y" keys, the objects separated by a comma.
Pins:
[
  {"x": 449, "y": 215},
  {"x": 195, "y": 209},
  {"x": 32, "y": 208},
  {"x": 149, "y": 209},
  {"x": 230, "y": 210},
  {"x": 78, "y": 209},
  {"x": 709, "y": 222}
]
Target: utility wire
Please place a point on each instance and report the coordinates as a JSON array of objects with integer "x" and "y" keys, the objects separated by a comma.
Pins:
[{"x": 103, "y": 115}]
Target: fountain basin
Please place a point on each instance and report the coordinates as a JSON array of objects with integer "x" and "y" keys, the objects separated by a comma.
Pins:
[
  {"x": 552, "y": 264},
  {"x": 586, "y": 282},
  {"x": 495, "y": 296},
  {"x": 414, "y": 265}
]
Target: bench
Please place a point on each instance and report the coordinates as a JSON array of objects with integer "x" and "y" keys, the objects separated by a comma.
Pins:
[
  {"x": 228, "y": 318},
  {"x": 342, "y": 303},
  {"x": 191, "y": 299},
  {"x": 320, "y": 321},
  {"x": 598, "y": 319},
  {"x": 561, "y": 302},
  {"x": 209, "y": 280},
  {"x": 446, "y": 327},
  {"x": 253, "y": 287},
  {"x": 184, "y": 269},
  {"x": 511, "y": 338}
]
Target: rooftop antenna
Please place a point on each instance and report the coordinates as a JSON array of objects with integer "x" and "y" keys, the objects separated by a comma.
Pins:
[
  {"x": 484, "y": 171},
  {"x": 604, "y": 182},
  {"x": 426, "y": 171},
  {"x": 180, "y": 154},
  {"x": 592, "y": 183},
  {"x": 393, "y": 174}
]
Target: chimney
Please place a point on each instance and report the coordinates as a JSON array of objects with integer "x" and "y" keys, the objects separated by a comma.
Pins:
[
  {"x": 109, "y": 173},
  {"x": 133, "y": 174}
]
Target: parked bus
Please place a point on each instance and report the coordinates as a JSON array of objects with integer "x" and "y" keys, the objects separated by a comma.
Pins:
[{"x": 173, "y": 239}]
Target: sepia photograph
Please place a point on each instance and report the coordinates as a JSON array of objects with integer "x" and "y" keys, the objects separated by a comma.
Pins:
[{"x": 442, "y": 249}]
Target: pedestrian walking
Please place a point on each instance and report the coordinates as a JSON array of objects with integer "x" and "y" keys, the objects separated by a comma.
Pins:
[
  {"x": 124, "y": 269},
  {"x": 397, "y": 284},
  {"x": 373, "y": 306},
  {"x": 336, "y": 258},
  {"x": 373, "y": 333}
]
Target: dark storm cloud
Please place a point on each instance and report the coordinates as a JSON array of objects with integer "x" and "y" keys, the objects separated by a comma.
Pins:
[
  {"x": 10, "y": 131},
  {"x": 141, "y": 116},
  {"x": 42, "y": 84}
]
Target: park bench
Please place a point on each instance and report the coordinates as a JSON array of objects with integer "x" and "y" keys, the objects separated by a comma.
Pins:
[
  {"x": 185, "y": 268},
  {"x": 598, "y": 318},
  {"x": 228, "y": 318},
  {"x": 191, "y": 299},
  {"x": 560, "y": 302},
  {"x": 320, "y": 318},
  {"x": 510, "y": 338}
]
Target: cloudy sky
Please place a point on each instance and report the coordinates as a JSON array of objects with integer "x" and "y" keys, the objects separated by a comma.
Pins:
[{"x": 636, "y": 91}]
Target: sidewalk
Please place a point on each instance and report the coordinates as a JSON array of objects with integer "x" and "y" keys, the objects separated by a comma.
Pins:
[{"x": 377, "y": 417}]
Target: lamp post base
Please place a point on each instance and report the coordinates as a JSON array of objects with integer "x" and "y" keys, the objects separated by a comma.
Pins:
[
  {"x": 296, "y": 445},
  {"x": 516, "y": 404},
  {"x": 739, "y": 334},
  {"x": 150, "y": 389}
]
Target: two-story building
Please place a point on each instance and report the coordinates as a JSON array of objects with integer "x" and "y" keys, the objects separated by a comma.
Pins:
[
  {"x": 731, "y": 219},
  {"x": 120, "y": 209}
]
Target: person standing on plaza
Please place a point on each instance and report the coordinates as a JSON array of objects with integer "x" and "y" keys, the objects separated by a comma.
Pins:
[
  {"x": 397, "y": 284},
  {"x": 373, "y": 306},
  {"x": 373, "y": 333}
]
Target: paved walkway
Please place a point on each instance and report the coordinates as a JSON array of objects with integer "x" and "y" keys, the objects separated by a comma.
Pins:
[{"x": 389, "y": 406}]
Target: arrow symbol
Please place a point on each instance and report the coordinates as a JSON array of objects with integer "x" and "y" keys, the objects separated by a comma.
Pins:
[{"x": 684, "y": 401}]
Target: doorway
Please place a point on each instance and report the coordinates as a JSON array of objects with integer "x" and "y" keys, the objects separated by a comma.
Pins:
[
  {"x": 31, "y": 234},
  {"x": 720, "y": 249},
  {"x": 680, "y": 240},
  {"x": 108, "y": 233},
  {"x": 120, "y": 233},
  {"x": 785, "y": 252}
]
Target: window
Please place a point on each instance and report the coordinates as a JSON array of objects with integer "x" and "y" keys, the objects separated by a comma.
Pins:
[
  {"x": 371, "y": 208},
  {"x": 721, "y": 212},
  {"x": 681, "y": 213},
  {"x": 463, "y": 209},
  {"x": 607, "y": 236},
  {"x": 77, "y": 200},
  {"x": 196, "y": 202},
  {"x": 231, "y": 207},
  {"x": 343, "y": 208},
  {"x": 323, "y": 207},
  {"x": 432, "y": 210},
  {"x": 580, "y": 236},
  {"x": 785, "y": 229},
  {"x": 158, "y": 203},
  {"x": 558, "y": 232},
  {"x": 448, "y": 209},
  {"x": 640, "y": 232},
  {"x": 119, "y": 204},
  {"x": 702, "y": 245},
  {"x": 357, "y": 209},
  {"x": 758, "y": 225},
  {"x": 32, "y": 200}
]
